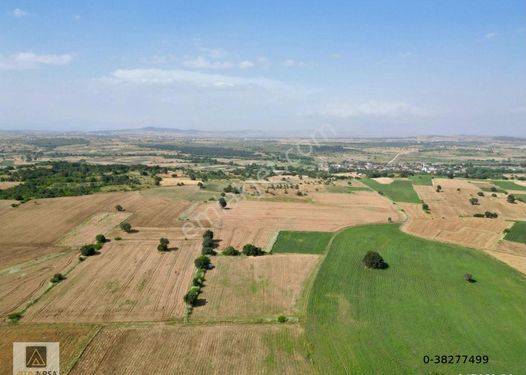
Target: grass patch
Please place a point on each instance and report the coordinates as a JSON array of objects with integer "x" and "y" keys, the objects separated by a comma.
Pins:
[
  {"x": 508, "y": 185},
  {"x": 346, "y": 189},
  {"x": 398, "y": 190},
  {"x": 301, "y": 242},
  {"x": 422, "y": 179},
  {"x": 419, "y": 306},
  {"x": 521, "y": 197},
  {"x": 517, "y": 232}
]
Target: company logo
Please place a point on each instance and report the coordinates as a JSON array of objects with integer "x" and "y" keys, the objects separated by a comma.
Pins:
[{"x": 36, "y": 358}]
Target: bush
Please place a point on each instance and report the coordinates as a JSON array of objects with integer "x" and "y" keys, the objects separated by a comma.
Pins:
[
  {"x": 207, "y": 250},
  {"x": 252, "y": 250},
  {"x": 119, "y": 207},
  {"x": 126, "y": 227},
  {"x": 511, "y": 198},
  {"x": 191, "y": 297},
  {"x": 100, "y": 238},
  {"x": 231, "y": 251},
  {"x": 480, "y": 194},
  {"x": 197, "y": 281},
  {"x": 58, "y": 277},
  {"x": 82, "y": 258},
  {"x": 118, "y": 238},
  {"x": 425, "y": 206},
  {"x": 474, "y": 201},
  {"x": 202, "y": 262},
  {"x": 15, "y": 317},
  {"x": 478, "y": 215},
  {"x": 468, "y": 277},
  {"x": 88, "y": 250},
  {"x": 374, "y": 260},
  {"x": 282, "y": 319},
  {"x": 98, "y": 246},
  {"x": 222, "y": 202},
  {"x": 494, "y": 195},
  {"x": 163, "y": 244}
]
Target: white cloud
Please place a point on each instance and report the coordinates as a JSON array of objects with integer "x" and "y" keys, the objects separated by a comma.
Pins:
[
  {"x": 491, "y": 35},
  {"x": 203, "y": 63},
  {"x": 292, "y": 62},
  {"x": 382, "y": 109},
  {"x": 28, "y": 60},
  {"x": 246, "y": 64},
  {"x": 174, "y": 76},
  {"x": 18, "y": 12}
]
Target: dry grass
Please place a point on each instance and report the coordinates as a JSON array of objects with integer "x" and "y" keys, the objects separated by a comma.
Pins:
[
  {"x": 224, "y": 349},
  {"x": 384, "y": 180},
  {"x": 255, "y": 287}
]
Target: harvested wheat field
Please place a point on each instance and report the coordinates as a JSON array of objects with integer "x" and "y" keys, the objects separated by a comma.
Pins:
[
  {"x": 414, "y": 210},
  {"x": 128, "y": 281},
  {"x": 72, "y": 338},
  {"x": 451, "y": 203},
  {"x": 223, "y": 349},
  {"x": 100, "y": 223},
  {"x": 255, "y": 287},
  {"x": 455, "y": 184},
  {"x": 249, "y": 221},
  {"x": 152, "y": 211},
  {"x": 24, "y": 281}
]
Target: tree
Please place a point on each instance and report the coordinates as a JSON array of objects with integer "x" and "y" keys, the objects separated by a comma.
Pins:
[
  {"x": 222, "y": 202},
  {"x": 58, "y": 277},
  {"x": 126, "y": 227},
  {"x": 191, "y": 297},
  {"x": 480, "y": 194},
  {"x": 439, "y": 188},
  {"x": 202, "y": 262},
  {"x": 425, "y": 206},
  {"x": 88, "y": 250},
  {"x": 511, "y": 198},
  {"x": 119, "y": 207},
  {"x": 208, "y": 242},
  {"x": 100, "y": 238},
  {"x": 231, "y": 251},
  {"x": 474, "y": 201},
  {"x": 252, "y": 250},
  {"x": 468, "y": 277},
  {"x": 374, "y": 260},
  {"x": 208, "y": 234},
  {"x": 163, "y": 244},
  {"x": 207, "y": 250}
]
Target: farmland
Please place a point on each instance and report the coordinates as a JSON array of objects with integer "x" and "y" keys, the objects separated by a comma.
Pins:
[
  {"x": 305, "y": 305},
  {"x": 398, "y": 190},
  {"x": 419, "y": 306},
  {"x": 301, "y": 242},
  {"x": 517, "y": 232}
]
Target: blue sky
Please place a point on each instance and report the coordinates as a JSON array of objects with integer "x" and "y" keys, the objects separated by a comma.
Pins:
[{"x": 368, "y": 68}]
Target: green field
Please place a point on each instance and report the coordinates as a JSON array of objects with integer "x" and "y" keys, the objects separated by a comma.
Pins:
[
  {"x": 422, "y": 179},
  {"x": 517, "y": 232},
  {"x": 362, "y": 321},
  {"x": 301, "y": 242},
  {"x": 508, "y": 185},
  {"x": 346, "y": 189},
  {"x": 398, "y": 191},
  {"x": 521, "y": 197}
]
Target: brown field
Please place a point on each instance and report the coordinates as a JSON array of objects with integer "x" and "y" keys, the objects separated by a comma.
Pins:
[
  {"x": 455, "y": 184},
  {"x": 451, "y": 203},
  {"x": 23, "y": 282},
  {"x": 72, "y": 339},
  {"x": 128, "y": 281},
  {"x": 8, "y": 184},
  {"x": 207, "y": 350},
  {"x": 252, "y": 221},
  {"x": 100, "y": 223},
  {"x": 255, "y": 287}
]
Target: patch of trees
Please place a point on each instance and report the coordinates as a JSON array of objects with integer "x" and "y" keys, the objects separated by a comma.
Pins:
[
  {"x": 51, "y": 143},
  {"x": 252, "y": 250},
  {"x": 88, "y": 250},
  {"x": 487, "y": 214},
  {"x": 60, "y": 178},
  {"x": 163, "y": 244},
  {"x": 209, "y": 244},
  {"x": 204, "y": 151},
  {"x": 374, "y": 260},
  {"x": 231, "y": 251},
  {"x": 232, "y": 189}
]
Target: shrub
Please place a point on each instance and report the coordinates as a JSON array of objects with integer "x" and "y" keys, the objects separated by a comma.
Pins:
[
  {"x": 58, "y": 277},
  {"x": 118, "y": 238},
  {"x": 231, "y": 251},
  {"x": 197, "y": 281},
  {"x": 439, "y": 188},
  {"x": 202, "y": 262},
  {"x": 126, "y": 227},
  {"x": 191, "y": 297},
  {"x": 282, "y": 319},
  {"x": 468, "y": 277},
  {"x": 480, "y": 194},
  {"x": 511, "y": 198},
  {"x": 494, "y": 195},
  {"x": 208, "y": 251},
  {"x": 15, "y": 317},
  {"x": 88, "y": 250},
  {"x": 425, "y": 206},
  {"x": 100, "y": 238},
  {"x": 82, "y": 258},
  {"x": 119, "y": 207},
  {"x": 222, "y": 202},
  {"x": 474, "y": 201},
  {"x": 374, "y": 260},
  {"x": 98, "y": 246},
  {"x": 163, "y": 244},
  {"x": 252, "y": 250},
  {"x": 478, "y": 215}
]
